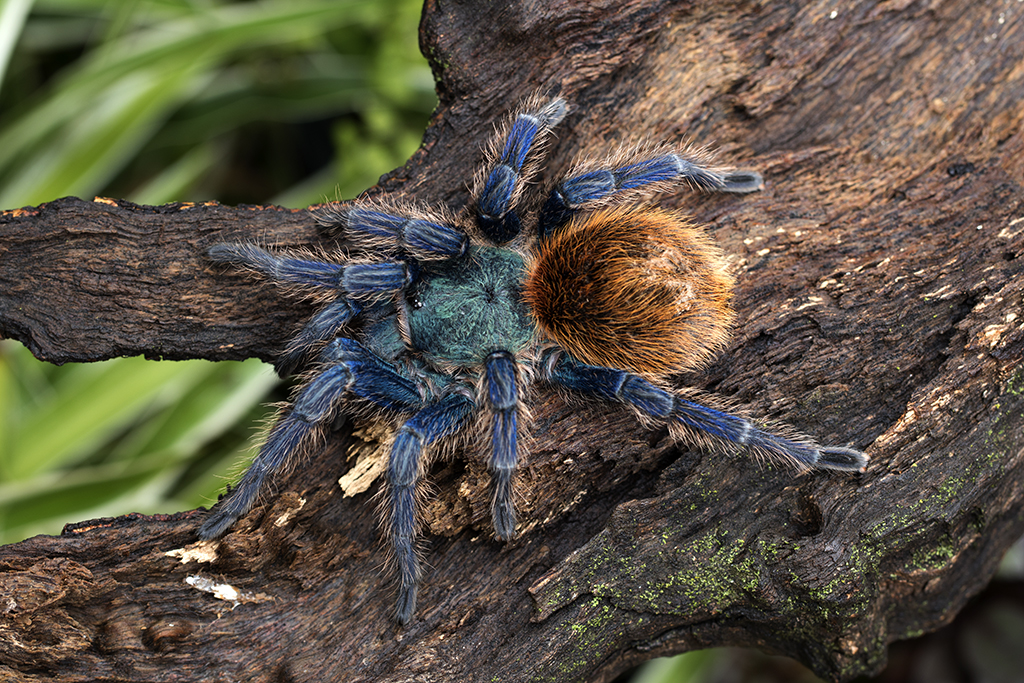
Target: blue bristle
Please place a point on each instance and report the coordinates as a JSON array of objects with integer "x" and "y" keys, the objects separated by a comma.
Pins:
[
  {"x": 366, "y": 279},
  {"x": 434, "y": 422},
  {"x": 435, "y": 238}
]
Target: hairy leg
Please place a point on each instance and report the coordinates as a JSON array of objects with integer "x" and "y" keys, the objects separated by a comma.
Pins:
[
  {"x": 354, "y": 370},
  {"x": 357, "y": 280},
  {"x": 508, "y": 168},
  {"x": 692, "y": 421},
  {"x": 638, "y": 171},
  {"x": 383, "y": 228},
  {"x": 405, "y": 467},
  {"x": 502, "y": 399}
]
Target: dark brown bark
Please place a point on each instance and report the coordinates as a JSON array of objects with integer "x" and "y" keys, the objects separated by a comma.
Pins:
[{"x": 879, "y": 303}]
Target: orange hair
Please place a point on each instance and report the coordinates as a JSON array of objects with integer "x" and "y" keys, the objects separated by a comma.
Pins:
[{"x": 638, "y": 289}]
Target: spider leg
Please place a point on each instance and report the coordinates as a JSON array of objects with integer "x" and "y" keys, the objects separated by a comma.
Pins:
[
  {"x": 354, "y": 369},
  {"x": 358, "y": 280},
  {"x": 699, "y": 422},
  {"x": 503, "y": 401},
  {"x": 374, "y": 227},
  {"x": 321, "y": 327},
  {"x": 375, "y": 380},
  {"x": 508, "y": 172},
  {"x": 437, "y": 420},
  {"x": 637, "y": 171}
]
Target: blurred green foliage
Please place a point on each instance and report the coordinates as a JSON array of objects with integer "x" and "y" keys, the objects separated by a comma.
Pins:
[{"x": 281, "y": 101}]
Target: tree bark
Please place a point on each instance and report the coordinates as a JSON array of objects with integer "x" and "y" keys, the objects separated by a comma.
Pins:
[{"x": 879, "y": 299}]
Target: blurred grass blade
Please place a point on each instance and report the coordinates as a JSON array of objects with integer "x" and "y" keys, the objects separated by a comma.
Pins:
[
  {"x": 159, "y": 448},
  {"x": 172, "y": 182},
  {"x": 689, "y": 667},
  {"x": 12, "y": 20},
  {"x": 172, "y": 55},
  {"x": 106, "y": 134},
  {"x": 224, "y": 394},
  {"x": 163, "y": 101},
  {"x": 93, "y": 404}
]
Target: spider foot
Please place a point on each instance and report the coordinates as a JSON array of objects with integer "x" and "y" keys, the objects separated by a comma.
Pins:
[
  {"x": 503, "y": 512},
  {"x": 742, "y": 182},
  {"x": 846, "y": 459},
  {"x": 216, "y": 524},
  {"x": 406, "y": 604}
]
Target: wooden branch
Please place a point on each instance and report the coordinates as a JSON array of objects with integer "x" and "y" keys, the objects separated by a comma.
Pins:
[{"x": 879, "y": 298}]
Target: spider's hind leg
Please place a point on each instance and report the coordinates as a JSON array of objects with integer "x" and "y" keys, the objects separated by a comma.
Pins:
[
  {"x": 699, "y": 423},
  {"x": 639, "y": 171},
  {"x": 499, "y": 188}
]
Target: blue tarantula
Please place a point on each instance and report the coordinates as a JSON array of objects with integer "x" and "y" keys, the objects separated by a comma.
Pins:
[{"x": 443, "y": 320}]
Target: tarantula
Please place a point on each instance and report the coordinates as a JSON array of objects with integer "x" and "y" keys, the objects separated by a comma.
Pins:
[{"x": 444, "y": 320}]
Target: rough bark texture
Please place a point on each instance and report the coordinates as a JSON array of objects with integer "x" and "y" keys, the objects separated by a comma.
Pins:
[{"x": 879, "y": 301}]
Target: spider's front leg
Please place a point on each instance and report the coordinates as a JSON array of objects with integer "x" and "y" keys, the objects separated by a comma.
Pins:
[
  {"x": 351, "y": 369},
  {"x": 692, "y": 421},
  {"x": 357, "y": 280},
  {"x": 353, "y": 282},
  {"x": 379, "y": 228}
]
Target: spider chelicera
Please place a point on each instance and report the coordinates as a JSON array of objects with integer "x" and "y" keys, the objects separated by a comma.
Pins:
[{"x": 442, "y": 320}]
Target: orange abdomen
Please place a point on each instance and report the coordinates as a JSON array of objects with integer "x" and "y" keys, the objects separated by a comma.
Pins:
[{"x": 638, "y": 289}]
